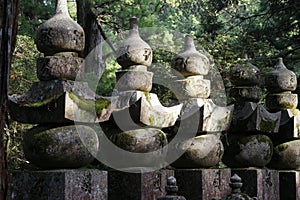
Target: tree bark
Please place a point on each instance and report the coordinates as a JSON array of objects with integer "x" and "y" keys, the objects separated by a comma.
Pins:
[
  {"x": 93, "y": 40},
  {"x": 8, "y": 32}
]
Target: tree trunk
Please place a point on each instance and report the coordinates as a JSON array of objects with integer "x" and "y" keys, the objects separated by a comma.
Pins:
[
  {"x": 93, "y": 39},
  {"x": 8, "y": 31}
]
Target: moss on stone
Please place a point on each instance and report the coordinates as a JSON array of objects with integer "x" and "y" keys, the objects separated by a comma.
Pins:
[
  {"x": 282, "y": 147},
  {"x": 90, "y": 105},
  {"x": 147, "y": 95},
  {"x": 42, "y": 103},
  {"x": 267, "y": 126}
]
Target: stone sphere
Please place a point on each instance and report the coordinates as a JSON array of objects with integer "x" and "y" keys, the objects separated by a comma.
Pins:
[
  {"x": 286, "y": 156},
  {"x": 200, "y": 152},
  {"x": 61, "y": 147},
  {"x": 248, "y": 151}
]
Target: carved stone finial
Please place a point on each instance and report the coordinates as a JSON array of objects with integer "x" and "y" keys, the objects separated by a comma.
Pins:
[
  {"x": 236, "y": 184},
  {"x": 171, "y": 190}
]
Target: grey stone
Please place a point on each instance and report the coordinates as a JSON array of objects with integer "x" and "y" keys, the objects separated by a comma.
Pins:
[
  {"x": 60, "y": 68},
  {"x": 289, "y": 184},
  {"x": 191, "y": 87},
  {"x": 190, "y": 61},
  {"x": 156, "y": 115},
  {"x": 286, "y": 155},
  {"x": 248, "y": 151},
  {"x": 61, "y": 147},
  {"x": 140, "y": 140},
  {"x": 204, "y": 116},
  {"x": 260, "y": 183},
  {"x": 137, "y": 186},
  {"x": 254, "y": 117},
  {"x": 134, "y": 50},
  {"x": 60, "y": 33},
  {"x": 280, "y": 79},
  {"x": 59, "y": 102},
  {"x": 200, "y": 152},
  {"x": 88, "y": 184},
  {"x": 195, "y": 184},
  {"x": 281, "y": 101},
  {"x": 289, "y": 125},
  {"x": 244, "y": 75},
  {"x": 134, "y": 80},
  {"x": 246, "y": 93}
]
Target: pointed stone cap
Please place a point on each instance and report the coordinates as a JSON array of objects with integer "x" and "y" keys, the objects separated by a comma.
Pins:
[
  {"x": 190, "y": 61},
  {"x": 60, "y": 33},
  {"x": 280, "y": 79},
  {"x": 244, "y": 74},
  {"x": 134, "y": 50}
]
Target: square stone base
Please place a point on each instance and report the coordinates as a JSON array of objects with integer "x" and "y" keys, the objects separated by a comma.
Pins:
[
  {"x": 260, "y": 183},
  {"x": 85, "y": 184}
]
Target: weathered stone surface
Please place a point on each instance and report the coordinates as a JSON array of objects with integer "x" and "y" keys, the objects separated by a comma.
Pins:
[
  {"x": 248, "y": 151},
  {"x": 202, "y": 115},
  {"x": 260, "y": 183},
  {"x": 59, "y": 102},
  {"x": 286, "y": 156},
  {"x": 140, "y": 140},
  {"x": 88, "y": 184},
  {"x": 134, "y": 50},
  {"x": 255, "y": 117},
  {"x": 60, "y": 67},
  {"x": 251, "y": 93},
  {"x": 60, "y": 147},
  {"x": 133, "y": 109},
  {"x": 195, "y": 184},
  {"x": 280, "y": 79},
  {"x": 289, "y": 125},
  {"x": 281, "y": 101},
  {"x": 244, "y": 75},
  {"x": 201, "y": 151},
  {"x": 156, "y": 115},
  {"x": 190, "y": 61},
  {"x": 216, "y": 118},
  {"x": 137, "y": 68},
  {"x": 137, "y": 186},
  {"x": 191, "y": 87},
  {"x": 60, "y": 33},
  {"x": 134, "y": 80},
  {"x": 289, "y": 184}
]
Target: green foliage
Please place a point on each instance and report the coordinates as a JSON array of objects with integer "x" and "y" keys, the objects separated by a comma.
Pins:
[{"x": 23, "y": 69}]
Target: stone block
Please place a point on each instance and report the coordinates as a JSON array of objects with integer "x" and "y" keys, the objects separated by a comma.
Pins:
[
  {"x": 206, "y": 184},
  {"x": 289, "y": 184},
  {"x": 246, "y": 93},
  {"x": 154, "y": 114},
  {"x": 137, "y": 186},
  {"x": 191, "y": 87},
  {"x": 260, "y": 183},
  {"x": 289, "y": 125},
  {"x": 80, "y": 184},
  {"x": 281, "y": 101},
  {"x": 134, "y": 80},
  {"x": 59, "y": 102},
  {"x": 255, "y": 117},
  {"x": 60, "y": 68}
]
